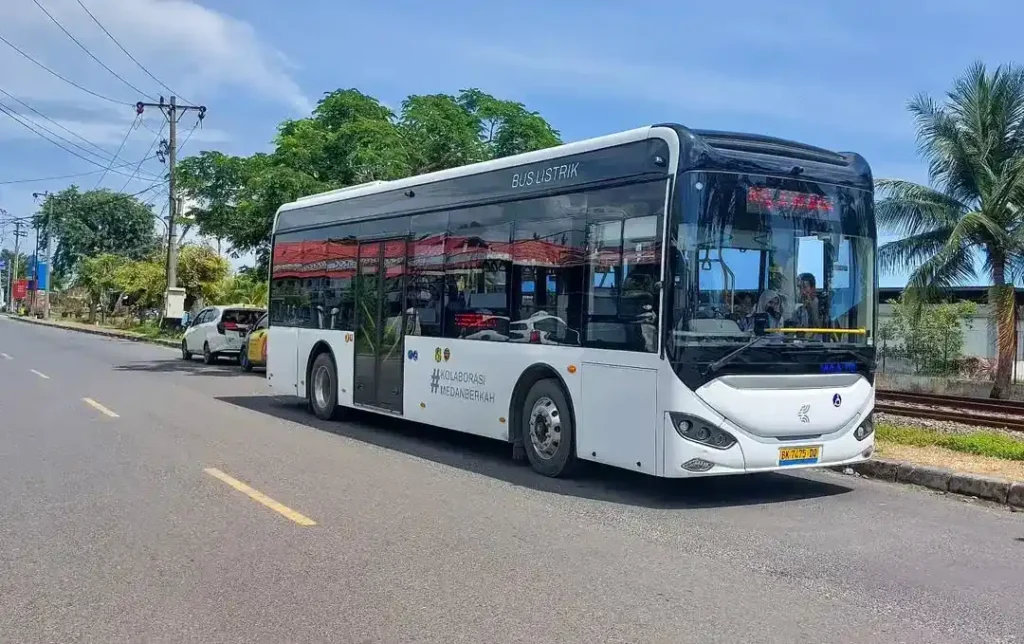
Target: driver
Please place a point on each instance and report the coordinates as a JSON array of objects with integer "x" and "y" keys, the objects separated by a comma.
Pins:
[{"x": 770, "y": 303}]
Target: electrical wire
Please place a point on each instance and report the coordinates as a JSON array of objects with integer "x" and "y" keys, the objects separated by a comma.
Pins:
[
  {"x": 66, "y": 80},
  {"x": 188, "y": 136},
  {"x": 86, "y": 50},
  {"x": 131, "y": 128},
  {"x": 28, "y": 124},
  {"x": 115, "y": 196},
  {"x": 67, "y": 176},
  {"x": 105, "y": 156},
  {"x": 143, "y": 159},
  {"x": 121, "y": 47}
]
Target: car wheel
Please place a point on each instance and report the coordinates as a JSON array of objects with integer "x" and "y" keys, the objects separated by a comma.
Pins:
[
  {"x": 208, "y": 356},
  {"x": 323, "y": 387},
  {"x": 549, "y": 435},
  {"x": 185, "y": 353}
]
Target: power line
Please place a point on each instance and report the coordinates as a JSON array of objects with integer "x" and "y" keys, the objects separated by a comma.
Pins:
[
  {"x": 189, "y": 135},
  {"x": 119, "y": 148},
  {"x": 143, "y": 159},
  {"x": 69, "y": 176},
  {"x": 121, "y": 47},
  {"x": 26, "y": 123},
  {"x": 106, "y": 155},
  {"x": 86, "y": 50},
  {"x": 66, "y": 80}
]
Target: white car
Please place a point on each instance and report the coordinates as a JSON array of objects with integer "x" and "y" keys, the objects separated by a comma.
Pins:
[
  {"x": 543, "y": 328},
  {"x": 218, "y": 331}
]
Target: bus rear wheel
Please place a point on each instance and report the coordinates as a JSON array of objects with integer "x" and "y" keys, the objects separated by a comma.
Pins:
[
  {"x": 323, "y": 387},
  {"x": 548, "y": 431}
]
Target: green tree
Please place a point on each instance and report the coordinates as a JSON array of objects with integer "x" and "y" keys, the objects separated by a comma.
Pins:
[
  {"x": 144, "y": 282},
  {"x": 201, "y": 272},
  {"x": 96, "y": 222},
  {"x": 974, "y": 145},
  {"x": 244, "y": 288},
  {"x": 351, "y": 138},
  {"x": 931, "y": 335},
  {"x": 7, "y": 255},
  {"x": 98, "y": 276}
]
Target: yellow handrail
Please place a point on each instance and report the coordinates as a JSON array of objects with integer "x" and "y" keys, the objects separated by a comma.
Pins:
[{"x": 837, "y": 331}]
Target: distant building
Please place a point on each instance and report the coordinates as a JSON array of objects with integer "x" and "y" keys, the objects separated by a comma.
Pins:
[{"x": 980, "y": 339}]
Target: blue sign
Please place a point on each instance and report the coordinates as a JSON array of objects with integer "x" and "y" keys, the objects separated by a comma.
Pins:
[
  {"x": 839, "y": 367},
  {"x": 43, "y": 275}
]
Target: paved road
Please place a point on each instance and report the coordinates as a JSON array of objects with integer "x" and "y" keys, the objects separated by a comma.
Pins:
[{"x": 112, "y": 529}]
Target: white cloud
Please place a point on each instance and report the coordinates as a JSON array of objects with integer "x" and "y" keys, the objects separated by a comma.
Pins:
[{"x": 195, "y": 50}]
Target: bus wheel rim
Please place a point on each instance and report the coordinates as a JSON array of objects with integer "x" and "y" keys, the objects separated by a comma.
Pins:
[
  {"x": 545, "y": 428},
  {"x": 321, "y": 386}
]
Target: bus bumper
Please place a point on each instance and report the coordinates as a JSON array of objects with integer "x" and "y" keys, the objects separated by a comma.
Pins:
[{"x": 686, "y": 458}]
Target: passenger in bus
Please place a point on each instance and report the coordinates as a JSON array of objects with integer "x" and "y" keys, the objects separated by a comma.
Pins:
[{"x": 808, "y": 314}]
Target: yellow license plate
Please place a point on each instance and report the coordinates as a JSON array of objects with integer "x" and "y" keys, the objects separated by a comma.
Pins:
[{"x": 799, "y": 455}]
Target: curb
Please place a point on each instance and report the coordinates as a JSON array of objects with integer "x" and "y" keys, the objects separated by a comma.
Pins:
[
  {"x": 106, "y": 333},
  {"x": 937, "y": 478}
]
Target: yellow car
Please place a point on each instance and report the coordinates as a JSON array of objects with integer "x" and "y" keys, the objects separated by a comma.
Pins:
[{"x": 254, "y": 347}]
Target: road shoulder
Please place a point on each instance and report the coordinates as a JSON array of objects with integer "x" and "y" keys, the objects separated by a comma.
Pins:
[{"x": 94, "y": 330}]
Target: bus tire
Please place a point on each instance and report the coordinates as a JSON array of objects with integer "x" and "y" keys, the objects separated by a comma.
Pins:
[
  {"x": 323, "y": 387},
  {"x": 548, "y": 431}
]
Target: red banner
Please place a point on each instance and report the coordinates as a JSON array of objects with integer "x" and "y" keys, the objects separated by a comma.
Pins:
[{"x": 20, "y": 290}]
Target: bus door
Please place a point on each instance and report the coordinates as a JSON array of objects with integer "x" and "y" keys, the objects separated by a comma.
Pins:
[{"x": 380, "y": 336}]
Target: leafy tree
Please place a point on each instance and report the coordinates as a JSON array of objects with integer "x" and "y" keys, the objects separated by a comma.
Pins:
[
  {"x": 98, "y": 276},
  {"x": 974, "y": 144},
  {"x": 931, "y": 335},
  {"x": 351, "y": 138},
  {"x": 244, "y": 288},
  {"x": 201, "y": 272},
  {"x": 144, "y": 281},
  {"x": 7, "y": 255},
  {"x": 93, "y": 223}
]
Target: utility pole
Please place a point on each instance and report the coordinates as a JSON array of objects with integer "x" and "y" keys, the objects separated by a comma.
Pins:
[
  {"x": 173, "y": 111},
  {"x": 49, "y": 270},
  {"x": 13, "y": 270}
]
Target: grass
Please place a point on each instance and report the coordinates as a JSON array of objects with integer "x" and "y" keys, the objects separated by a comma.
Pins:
[{"x": 979, "y": 443}]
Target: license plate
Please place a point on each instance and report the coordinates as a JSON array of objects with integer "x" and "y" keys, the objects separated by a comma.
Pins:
[{"x": 799, "y": 455}]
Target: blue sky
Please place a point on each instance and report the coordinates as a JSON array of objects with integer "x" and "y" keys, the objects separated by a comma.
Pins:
[{"x": 831, "y": 74}]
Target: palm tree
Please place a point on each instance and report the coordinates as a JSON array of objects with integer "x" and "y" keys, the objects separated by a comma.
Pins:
[{"x": 974, "y": 145}]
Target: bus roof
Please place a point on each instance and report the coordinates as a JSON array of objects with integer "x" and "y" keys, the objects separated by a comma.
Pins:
[
  {"x": 587, "y": 145},
  {"x": 690, "y": 149}
]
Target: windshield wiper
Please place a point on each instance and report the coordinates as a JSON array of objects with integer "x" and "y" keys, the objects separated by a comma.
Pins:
[{"x": 721, "y": 362}]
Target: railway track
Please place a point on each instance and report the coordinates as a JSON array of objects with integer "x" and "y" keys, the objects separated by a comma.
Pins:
[{"x": 1007, "y": 414}]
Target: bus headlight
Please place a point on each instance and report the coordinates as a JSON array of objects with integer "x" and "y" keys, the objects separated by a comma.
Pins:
[
  {"x": 697, "y": 430},
  {"x": 865, "y": 429}
]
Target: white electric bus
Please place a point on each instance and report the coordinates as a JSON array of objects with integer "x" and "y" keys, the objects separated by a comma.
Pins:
[{"x": 666, "y": 300}]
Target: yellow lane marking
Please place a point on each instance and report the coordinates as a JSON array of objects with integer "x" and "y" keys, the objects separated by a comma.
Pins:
[
  {"x": 6, "y": 357},
  {"x": 95, "y": 405},
  {"x": 40, "y": 374},
  {"x": 259, "y": 497}
]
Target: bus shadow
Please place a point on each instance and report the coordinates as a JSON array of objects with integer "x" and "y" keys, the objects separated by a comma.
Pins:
[{"x": 598, "y": 482}]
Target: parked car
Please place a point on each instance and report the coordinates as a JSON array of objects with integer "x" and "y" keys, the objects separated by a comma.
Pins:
[
  {"x": 254, "y": 346},
  {"x": 218, "y": 331}
]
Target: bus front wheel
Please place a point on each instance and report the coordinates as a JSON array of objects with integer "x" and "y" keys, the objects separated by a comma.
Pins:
[
  {"x": 549, "y": 434},
  {"x": 323, "y": 387}
]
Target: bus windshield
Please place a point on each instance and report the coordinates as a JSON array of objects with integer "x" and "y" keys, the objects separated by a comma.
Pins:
[{"x": 757, "y": 255}]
